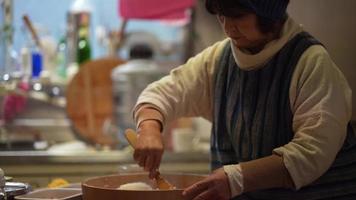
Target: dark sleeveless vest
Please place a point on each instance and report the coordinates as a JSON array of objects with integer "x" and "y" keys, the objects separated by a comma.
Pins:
[{"x": 252, "y": 116}]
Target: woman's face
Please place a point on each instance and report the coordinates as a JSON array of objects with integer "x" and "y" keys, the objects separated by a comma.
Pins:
[{"x": 244, "y": 31}]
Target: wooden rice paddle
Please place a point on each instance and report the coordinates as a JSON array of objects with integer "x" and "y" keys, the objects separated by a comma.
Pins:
[{"x": 162, "y": 183}]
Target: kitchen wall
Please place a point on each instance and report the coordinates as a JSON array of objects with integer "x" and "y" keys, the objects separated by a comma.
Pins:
[{"x": 334, "y": 24}]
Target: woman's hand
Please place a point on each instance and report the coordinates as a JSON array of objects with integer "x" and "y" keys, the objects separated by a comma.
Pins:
[
  {"x": 215, "y": 186},
  {"x": 149, "y": 147}
]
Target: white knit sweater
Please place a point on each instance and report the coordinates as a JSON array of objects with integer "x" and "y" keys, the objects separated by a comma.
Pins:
[{"x": 320, "y": 100}]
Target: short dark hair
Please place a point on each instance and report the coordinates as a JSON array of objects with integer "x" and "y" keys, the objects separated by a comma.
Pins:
[{"x": 234, "y": 8}]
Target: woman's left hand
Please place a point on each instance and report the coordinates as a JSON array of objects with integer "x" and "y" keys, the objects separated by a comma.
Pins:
[{"x": 215, "y": 186}]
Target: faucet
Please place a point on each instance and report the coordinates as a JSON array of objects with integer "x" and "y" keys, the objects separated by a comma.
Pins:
[{"x": 2, "y": 185}]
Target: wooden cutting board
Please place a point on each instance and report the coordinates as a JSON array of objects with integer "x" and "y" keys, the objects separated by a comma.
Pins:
[{"x": 90, "y": 100}]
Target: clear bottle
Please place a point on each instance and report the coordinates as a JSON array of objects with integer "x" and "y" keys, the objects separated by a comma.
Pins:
[
  {"x": 12, "y": 67},
  {"x": 61, "y": 61},
  {"x": 25, "y": 60}
]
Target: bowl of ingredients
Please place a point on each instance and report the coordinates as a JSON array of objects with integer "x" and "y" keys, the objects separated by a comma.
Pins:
[{"x": 134, "y": 186}]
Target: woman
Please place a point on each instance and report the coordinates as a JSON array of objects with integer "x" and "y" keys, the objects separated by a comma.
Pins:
[{"x": 280, "y": 110}]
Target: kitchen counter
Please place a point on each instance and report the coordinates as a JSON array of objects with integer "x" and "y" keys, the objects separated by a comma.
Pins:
[
  {"x": 38, "y": 168},
  {"x": 116, "y": 156}
]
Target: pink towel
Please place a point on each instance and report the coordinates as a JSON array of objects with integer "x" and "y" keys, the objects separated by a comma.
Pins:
[
  {"x": 154, "y": 9},
  {"x": 14, "y": 103}
]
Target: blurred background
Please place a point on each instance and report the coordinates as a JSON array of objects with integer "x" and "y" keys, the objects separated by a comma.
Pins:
[{"x": 71, "y": 71}]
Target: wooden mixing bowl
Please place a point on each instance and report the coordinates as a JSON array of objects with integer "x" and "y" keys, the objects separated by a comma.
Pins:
[{"x": 105, "y": 187}]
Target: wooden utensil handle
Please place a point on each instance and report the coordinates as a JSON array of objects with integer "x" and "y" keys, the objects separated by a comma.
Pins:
[
  {"x": 30, "y": 27},
  {"x": 131, "y": 137},
  {"x": 162, "y": 183}
]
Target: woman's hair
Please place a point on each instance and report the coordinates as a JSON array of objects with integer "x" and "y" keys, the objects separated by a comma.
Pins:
[{"x": 234, "y": 9}]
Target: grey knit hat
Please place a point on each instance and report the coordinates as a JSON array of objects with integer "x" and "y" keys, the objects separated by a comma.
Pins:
[{"x": 271, "y": 9}]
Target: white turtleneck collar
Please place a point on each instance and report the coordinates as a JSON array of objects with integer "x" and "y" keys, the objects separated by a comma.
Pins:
[{"x": 248, "y": 61}]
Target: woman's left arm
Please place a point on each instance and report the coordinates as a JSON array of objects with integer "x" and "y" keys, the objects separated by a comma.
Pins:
[{"x": 321, "y": 104}]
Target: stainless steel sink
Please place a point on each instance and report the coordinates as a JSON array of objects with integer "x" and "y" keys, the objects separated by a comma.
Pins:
[
  {"x": 23, "y": 145},
  {"x": 17, "y": 146},
  {"x": 40, "y": 122}
]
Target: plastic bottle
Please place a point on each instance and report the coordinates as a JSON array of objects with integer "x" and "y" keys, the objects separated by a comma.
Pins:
[
  {"x": 25, "y": 60},
  {"x": 12, "y": 66},
  {"x": 37, "y": 62},
  {"x": 61, "y": 70},
  {"x": 78, "y": 31},
  {"x": 84, "y": 48}
]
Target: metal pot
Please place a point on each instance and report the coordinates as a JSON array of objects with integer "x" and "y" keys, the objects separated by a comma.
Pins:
[{"x": 106, "y": 187}]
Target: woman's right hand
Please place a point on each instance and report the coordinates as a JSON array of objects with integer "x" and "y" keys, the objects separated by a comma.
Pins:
[{"x": 149, "y": 147}]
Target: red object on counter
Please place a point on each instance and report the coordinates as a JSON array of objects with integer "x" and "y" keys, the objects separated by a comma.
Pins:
[
  {"x": 154, "y": 9},
  {"x": 14, "y": 103}
]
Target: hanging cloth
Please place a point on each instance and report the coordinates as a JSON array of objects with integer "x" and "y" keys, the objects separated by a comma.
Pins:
[{"x": 155, "y": 9}]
